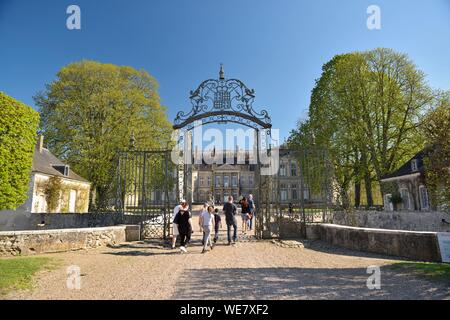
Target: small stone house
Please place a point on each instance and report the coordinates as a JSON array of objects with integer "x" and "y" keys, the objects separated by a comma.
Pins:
[
  {"x": 71, "y": 190},
  {"x": 409, "y": 182}
]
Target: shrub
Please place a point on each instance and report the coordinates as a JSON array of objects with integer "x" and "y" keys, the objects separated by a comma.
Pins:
[
  {"x": 52, "y": 192},
  {"x": 396, "y": 199},
  {"x": 18, "y": 127}
]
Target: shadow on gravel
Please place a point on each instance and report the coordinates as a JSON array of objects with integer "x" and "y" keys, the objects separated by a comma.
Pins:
[
  {"x": 324, "y": 247},
  {"x": 303, "y": 283}
]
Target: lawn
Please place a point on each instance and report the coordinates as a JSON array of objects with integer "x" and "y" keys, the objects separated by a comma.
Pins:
[
  {"x": 17, "y": 273},
  {"x": 438, "y": 271}
]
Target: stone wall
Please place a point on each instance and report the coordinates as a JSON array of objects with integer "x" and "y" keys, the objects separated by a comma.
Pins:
[
  {"x": 395, "y": 220},
  {"x": 16, "y": 220},
  {"x": 415, "y": 245},
  {"x": 46, "y": 241},
  {"x": 19, "y": 221}
]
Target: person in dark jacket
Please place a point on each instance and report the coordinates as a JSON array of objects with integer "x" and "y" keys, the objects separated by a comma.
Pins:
[
  {"x": 230, "y": 209},
  {"x": 245, "y": 211},
  {"x": 183, "y": 219}
]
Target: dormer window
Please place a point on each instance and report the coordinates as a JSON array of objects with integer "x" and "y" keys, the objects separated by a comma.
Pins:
[
  {"x": 414, "y": 165},
  {"x": 63, "y": 169}
]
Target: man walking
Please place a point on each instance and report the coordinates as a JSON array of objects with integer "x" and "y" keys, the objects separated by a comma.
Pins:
[
  {"x": 252, "y": 207},
  {"x": 230, "y": 210}
]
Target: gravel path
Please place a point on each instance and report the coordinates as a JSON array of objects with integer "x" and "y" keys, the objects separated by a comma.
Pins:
[{"x": 247, "y": 270}]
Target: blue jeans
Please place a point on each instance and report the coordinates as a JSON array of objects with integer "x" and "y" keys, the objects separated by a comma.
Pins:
[
  {"x": 250, "y": 222},
  {"x": 234, "y": 231}
]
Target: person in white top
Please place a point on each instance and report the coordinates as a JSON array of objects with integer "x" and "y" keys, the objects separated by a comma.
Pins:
[
  {"x": 204, "y": 209},
  {"x": 183, "y": 204},
  {"x": 207, "y": 223}
]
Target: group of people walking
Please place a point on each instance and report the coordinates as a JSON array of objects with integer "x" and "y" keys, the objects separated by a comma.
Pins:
[{"x": 210, "y": 220}]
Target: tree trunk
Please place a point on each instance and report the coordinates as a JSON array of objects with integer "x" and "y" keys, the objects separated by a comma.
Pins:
[
  {"x": 367, "y": 179},
  {"x": 368, "y": 186},
  {"x": 357, "y": 194}
]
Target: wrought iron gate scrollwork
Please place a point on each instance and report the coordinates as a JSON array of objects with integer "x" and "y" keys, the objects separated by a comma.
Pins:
[
  {"x": 146, "y": 190},
  {"x": 220, "y": 101},
  {"x": 145, "y": 175}
]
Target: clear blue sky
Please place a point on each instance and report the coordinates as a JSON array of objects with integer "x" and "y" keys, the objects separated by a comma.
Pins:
[{"x": 275, "y": 47}]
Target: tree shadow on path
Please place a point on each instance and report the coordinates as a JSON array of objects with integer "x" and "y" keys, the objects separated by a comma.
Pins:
[{"x": 303, "y": 283}]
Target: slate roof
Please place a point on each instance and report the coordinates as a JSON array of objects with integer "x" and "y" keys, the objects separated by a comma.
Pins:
[
  {"x": 406, "y": 168},
  {"x": 43, "y": 163}
]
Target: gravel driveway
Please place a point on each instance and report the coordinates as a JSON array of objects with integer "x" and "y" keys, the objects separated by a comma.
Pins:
[{"x": 247, "y": 270}]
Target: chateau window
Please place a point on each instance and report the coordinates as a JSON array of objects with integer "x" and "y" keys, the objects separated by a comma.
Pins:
[
  {"x": 293, "y": 169},
  {"x": 217, "y": 181},
  {"x": 283, "y": 192},
  {"x": 306, "y": 194},
  {"x": 405, "y": 199},
  {"x": 209, "y": 181},
  {"x": 424, "y": 203},
  {"x": 234, "y": 181},
  {"x": 250, "y": 181},
  {"x": 282, "y": 169},
  {"x": 294, "y": 192},
  {"x": 201, "y": 181},
  {"x": 414, "y": 165},
  {"x": 226, "y": 182}
]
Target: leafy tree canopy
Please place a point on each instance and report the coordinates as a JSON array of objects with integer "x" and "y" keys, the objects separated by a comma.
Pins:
[
  {"x": 366, "y": 109},
  {"x": 18, "y": 127},
  {"x": 89, "y": 113}
]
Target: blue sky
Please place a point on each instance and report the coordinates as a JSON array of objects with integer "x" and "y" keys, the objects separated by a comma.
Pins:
[{"x": 275, "y": 47}]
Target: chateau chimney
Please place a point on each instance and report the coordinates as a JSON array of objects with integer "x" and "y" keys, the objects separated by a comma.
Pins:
[{"x": 41, "y": 143}]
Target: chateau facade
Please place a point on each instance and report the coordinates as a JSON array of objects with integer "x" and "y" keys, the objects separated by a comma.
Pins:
[{"x": 218, "y": 181}]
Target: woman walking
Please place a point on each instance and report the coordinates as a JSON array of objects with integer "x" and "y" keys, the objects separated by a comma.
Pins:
[
  {"x": 183, "y": 204},
  {"x": 184, "y": 222},
  {"x": 245, "y": 210},
  {"x": 207, "y": 223}
]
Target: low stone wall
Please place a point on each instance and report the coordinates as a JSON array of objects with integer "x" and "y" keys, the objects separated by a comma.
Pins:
[
  {"x": 46, "y": 241},
  {"x": 12, "y": 220},
  {"x": 395, "y": 220},
  {"x": 422, "y": 246}
]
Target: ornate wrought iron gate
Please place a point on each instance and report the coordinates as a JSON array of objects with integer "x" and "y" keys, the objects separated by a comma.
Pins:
[
  {"x": 299, "y": 193},
  {"x": 146, "y": 191}
]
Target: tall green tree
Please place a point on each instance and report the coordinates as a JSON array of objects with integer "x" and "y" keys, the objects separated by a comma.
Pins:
[
  {"x": 366, "y": 109},
  {"x": 398, "y": 97},
  {"x": 18, "y": 127},
  {"x": 436, "y": 130},
  {"x": 89, "y": 113}
]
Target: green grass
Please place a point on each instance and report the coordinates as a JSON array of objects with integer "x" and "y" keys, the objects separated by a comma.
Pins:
[
  {"x": 17, "y": 273},
  {"x": 438, "y": 271}
]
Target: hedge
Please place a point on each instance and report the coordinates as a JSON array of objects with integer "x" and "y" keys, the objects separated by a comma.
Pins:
[{"x": 18, "y": 128}]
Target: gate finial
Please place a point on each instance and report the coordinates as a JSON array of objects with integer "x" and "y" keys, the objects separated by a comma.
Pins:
[{"x": 221, "y": 73}]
